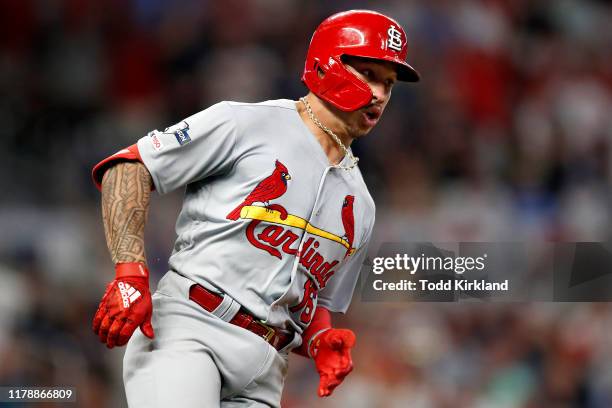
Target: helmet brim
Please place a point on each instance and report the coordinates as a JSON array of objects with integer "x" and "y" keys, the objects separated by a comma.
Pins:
[{"x": 406, "y": 73}]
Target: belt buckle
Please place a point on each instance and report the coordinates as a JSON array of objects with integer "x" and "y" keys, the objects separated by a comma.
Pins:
[{"x": 268, "y": 336}]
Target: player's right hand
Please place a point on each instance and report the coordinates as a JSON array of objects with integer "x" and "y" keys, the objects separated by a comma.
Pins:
[{"x": 126, "y": 304}]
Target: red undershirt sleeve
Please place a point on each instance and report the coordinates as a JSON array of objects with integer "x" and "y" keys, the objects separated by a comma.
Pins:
[{"x": 321, "y": 321}]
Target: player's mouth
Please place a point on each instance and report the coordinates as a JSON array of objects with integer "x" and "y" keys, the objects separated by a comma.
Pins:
[{"x": 371, "y": 114}]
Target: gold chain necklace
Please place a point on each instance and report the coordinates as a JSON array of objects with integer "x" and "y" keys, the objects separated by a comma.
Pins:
[{"x": 327, "y": 130}]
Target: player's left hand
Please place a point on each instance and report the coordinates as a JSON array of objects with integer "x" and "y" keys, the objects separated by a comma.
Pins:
[{"x": 331, "y": 351}]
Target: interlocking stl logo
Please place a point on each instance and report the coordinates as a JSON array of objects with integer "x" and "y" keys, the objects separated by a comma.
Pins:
[{"x": 394, "y": 41}]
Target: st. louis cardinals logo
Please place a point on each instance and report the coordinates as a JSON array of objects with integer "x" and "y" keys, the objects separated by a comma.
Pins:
[
  {"x": 268, "y": 189},
  {"x": 394, "y": 38},
  {"x": 277, "y": 237}
]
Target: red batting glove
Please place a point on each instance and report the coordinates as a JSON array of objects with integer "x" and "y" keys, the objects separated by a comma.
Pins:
[
  {"x": 331, "y": 351},
  {"x": 126, "y": 304}
]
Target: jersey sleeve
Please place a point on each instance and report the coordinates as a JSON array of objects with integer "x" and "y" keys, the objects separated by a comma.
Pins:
[
  {"x": 337, "y": 295},
  {"x": 200, "y": 146},
  {"x": 128, "y": 154}
]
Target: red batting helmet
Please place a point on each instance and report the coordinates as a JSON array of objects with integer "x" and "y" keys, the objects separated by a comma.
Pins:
[{"x": 359, "y": 33}]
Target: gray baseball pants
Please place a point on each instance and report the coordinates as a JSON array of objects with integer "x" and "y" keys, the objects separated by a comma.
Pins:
[{"x": 198, "y": 359}]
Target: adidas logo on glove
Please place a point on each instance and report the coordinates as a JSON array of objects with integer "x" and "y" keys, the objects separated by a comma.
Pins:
[{"x": 128, "y": 294}]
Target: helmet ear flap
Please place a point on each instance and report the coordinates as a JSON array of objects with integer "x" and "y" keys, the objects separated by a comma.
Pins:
[{"x": 338, "y": 85}]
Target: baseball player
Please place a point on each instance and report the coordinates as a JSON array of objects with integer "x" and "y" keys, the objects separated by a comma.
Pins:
[{"x": 273, "y": 230}]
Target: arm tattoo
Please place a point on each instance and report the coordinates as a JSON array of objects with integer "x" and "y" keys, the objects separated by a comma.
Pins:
[{"x": 126, "y": 190}]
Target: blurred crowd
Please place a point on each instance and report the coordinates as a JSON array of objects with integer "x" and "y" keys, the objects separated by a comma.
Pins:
[{"x": 507, "y": 137}]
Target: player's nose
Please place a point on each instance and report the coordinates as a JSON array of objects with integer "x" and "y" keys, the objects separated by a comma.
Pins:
[{"x": 380, "y": 92}]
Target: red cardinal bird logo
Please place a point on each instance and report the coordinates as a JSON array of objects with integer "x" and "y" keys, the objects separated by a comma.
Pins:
[
  {"x": 348, "y": 221},
  {"x": 268, "y": 189}
]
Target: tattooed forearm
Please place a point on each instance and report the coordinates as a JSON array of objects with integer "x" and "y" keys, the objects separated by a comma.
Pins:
[{"x": 126, "y": 190}]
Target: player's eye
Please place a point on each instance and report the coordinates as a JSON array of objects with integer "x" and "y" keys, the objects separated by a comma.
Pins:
[{"x": 367, "y": 73}]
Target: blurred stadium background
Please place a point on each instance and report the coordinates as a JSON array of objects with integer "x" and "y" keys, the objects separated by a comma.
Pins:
[{"x": 507, "y": 137}]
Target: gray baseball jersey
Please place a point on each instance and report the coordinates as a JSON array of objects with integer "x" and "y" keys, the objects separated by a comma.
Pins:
[{"x": 266, "y": 219}]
